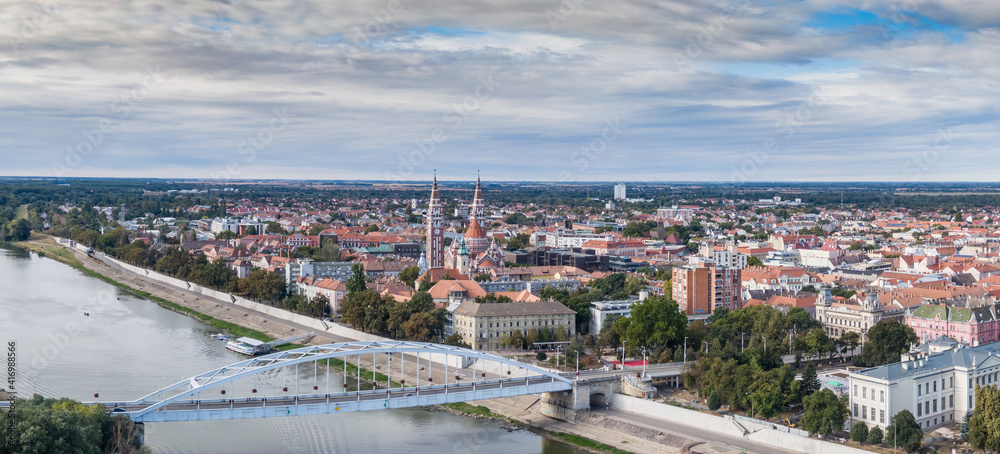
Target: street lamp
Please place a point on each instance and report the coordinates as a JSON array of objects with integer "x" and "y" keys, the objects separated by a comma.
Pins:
[
  {"x": 706, "y": 346},
  {"x": 578, "y": 363},
  {"x": 623, "y": 355},
  {"x": 741, "y": 343},
  {"x": 644, "y": 362},
  {"x": 685, "y": 349}
]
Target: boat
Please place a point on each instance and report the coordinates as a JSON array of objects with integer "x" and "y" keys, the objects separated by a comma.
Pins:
[
  {"x": 221, "y": 337},
  {"x": 241, "y": 348}
]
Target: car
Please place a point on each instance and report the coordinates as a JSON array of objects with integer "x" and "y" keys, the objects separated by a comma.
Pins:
[
  {"x": 119, "y": 410},
  {"x": 408, "y": 395}
]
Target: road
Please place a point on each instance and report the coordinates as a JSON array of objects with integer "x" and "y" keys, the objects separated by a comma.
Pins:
[{"x": 690, "y": 431}]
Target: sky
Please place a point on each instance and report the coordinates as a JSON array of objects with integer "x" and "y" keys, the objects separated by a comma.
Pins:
[{"x": 569, "y": 90}]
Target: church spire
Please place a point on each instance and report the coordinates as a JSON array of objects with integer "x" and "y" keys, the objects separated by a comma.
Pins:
[{"x": 476, "y": 210}]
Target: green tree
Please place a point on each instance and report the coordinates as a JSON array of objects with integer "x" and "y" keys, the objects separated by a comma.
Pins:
[
  {"x": 420, "y": 302},
  {"x": 409, "y": 275},
  {"x": 963, "y": 428},
  {"x": 714, "y": 401},
  {"x": 904, "y": 432},
  {"x": 875, "y": 436},
  {"x": 328, "y": 251},
  {"x": 810, "y": 288},
  {"x": 421, "y": 327},
  {"x": 358, "y": 280},
  {"x": 226, "y": 235},
  {"x": 19, "y": 230},
  {"x": 886, "y": 341},
  {"x": 399, "y": 314},
  {"x": 859, "y": 432},
  {"x": 767, "y": 400},
  {"x": 824, "y": 413},
  {"x": 456, "y": 340},
  {"x": 810, "y": 381},
  {"x": 754, "y": 261},
  {"x": 984, "y": 425},
  {"x": 371, "y": 228},
  {"x": 654, "y": 323}
]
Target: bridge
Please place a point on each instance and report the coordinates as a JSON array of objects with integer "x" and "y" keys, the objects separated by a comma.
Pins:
[
  {"x": 240, "y": 390},
  {"x": 438, "y": 374}
]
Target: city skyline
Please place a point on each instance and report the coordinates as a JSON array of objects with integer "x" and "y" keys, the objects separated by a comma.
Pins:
[{"x": 542, "y": 91}]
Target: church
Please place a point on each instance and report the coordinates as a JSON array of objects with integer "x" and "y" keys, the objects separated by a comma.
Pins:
[{"x": 471, "y": 254}]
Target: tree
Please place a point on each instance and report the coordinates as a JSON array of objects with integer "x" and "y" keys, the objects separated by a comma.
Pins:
[
  {"x": 420, "y": 302},
  {"x": 714, "y": 401},
  {"x": 655, "y": 323},
  {"x": 456, "y": 340},
  {"x": 963, "y": 428},
  {"x": 984, "y": 425},
  {"x": 859, "y": 432},
  {"x": 768, "y": 400},
  {"x": 358, "y": 280},
  {"x": 810, "y": 381},
  {"x": 849, "y": 342},
  {"x": 328, "y": 251},
  {"x": 371, "y": 228},
  {"x": 875, "y": 436},
  {"x": 19, "y": 230},
  {"x": 810, "y": 288},
  {"x": 420, "y": 327},
  {"x": 226, "y": 235},
  {"x": 409, "y": 275},
  {"x": 754, "y": 261},
  {"x": 903, "y": 431},
  {"x": 824, "y": 413},
  {"x": 886, "y": 341}
]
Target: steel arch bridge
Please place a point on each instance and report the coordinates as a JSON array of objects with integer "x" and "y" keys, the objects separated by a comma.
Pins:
[{"x": 204, "y": 396}]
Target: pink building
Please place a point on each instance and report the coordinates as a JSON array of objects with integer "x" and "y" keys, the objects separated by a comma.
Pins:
[{"x": 975, "y": 326}]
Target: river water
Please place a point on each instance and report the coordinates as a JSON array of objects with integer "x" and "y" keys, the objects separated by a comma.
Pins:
[{"x": 128, "y": 347}]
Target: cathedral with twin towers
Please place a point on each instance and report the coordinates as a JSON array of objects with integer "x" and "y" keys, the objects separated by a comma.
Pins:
[{"x": 471, "y": 254}]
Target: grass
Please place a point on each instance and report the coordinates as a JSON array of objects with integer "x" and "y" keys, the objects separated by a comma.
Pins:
[
  {"x": 469, "y": 409},
  {"x": 587, "y": 443},
  {"x": 22, "y": 212}
]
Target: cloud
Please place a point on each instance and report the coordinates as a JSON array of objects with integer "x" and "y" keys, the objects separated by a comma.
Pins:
[{"x": 699, "y": 84}]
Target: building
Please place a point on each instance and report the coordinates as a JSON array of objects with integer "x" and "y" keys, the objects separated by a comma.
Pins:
[
  {"x": 483, "y": 325},
  {"x": 675, "y": 213},
  {"x": 973, "y": 326},
  {"x": 839, "y": 318},
  {"x": 621, "y": 247},
  {"x": 937, "y": 384},
  {"x": 473, "y": 254},
  {"x": 702, "y": 288},
  {"x": 601, "y": 310},
  {"x": 620, "y": 191},
  {"x": 435, "y": 229},
  {"x": 563, "y": 239},
  {"x": 295, "y": 269}
]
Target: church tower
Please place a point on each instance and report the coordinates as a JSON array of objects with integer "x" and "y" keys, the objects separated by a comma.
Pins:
[
  {"x": 435, "y": 225},
  {"x": 477, "y": 209}
]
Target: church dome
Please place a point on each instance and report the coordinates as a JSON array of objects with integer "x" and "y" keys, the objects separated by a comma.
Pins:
[{"x": 475, "y": 232}]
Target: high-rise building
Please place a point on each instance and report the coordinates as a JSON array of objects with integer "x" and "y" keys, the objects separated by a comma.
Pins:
[
  {"x": 435, "y": 229},
  {"x": 620, "y": 191},
  {"x": 701, "y": 288}
]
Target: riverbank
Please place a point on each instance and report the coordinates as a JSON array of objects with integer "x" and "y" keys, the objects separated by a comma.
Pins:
[
  {"x": 236, "y": 319},
  {"x": 193, "y": 306}
]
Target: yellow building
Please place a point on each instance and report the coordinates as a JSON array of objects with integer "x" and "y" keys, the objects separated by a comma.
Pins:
[{"x": 483, "y": 325}]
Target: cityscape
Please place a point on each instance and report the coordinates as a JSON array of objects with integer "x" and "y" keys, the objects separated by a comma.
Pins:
[{"x": 499, "y": 227}]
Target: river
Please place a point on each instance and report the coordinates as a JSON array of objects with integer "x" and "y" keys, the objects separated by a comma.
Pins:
[{"x": 127, "y": 347}]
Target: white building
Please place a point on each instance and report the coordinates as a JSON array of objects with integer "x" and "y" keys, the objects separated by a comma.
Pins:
[
  {"x": 568, "y": 239},
  {"x": 936, "y": 385},
  {"x": 600, "y": 310},
  {"x": 620, "y": 191}
]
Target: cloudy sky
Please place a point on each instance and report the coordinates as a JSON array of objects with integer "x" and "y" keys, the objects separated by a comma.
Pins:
[{"x": 575, "y": 90}]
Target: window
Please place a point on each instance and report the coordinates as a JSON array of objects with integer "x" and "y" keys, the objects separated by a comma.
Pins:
[
  {"x": 864, "y": 392},
  {"x": 951, "y": 382},
  {"x": 881, "y": 416},
  {"x": 919, "y": 391},
  {"x": 942, "y": 404},
  {"x": 919, "y": 411},
  {"x": 855, "y": 395},
  {"x": 855, "y": 410},
  {"x": 935, "y": 385},
  {"x": 951, "y": 401},
  {"x": 927, "y": 388},
  {"x": 881, "y": 396},
  {"x": 935, "y": 406},
  {"x": 864, "y": 412},
  {"x": 927, "y": 407}
]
